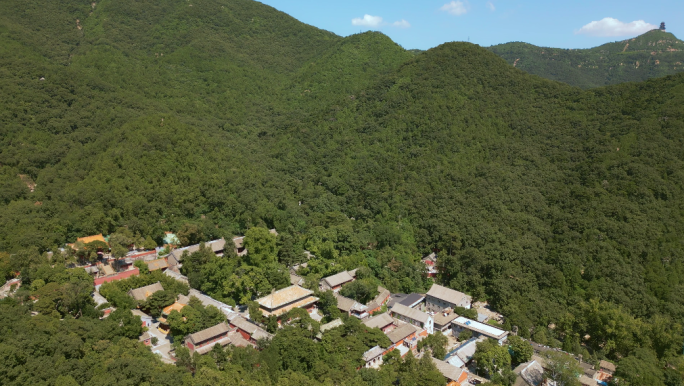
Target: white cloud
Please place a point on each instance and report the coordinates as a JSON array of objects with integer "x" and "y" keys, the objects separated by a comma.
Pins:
[
  {"x": 455, "y": 7},
  {"x": 402, "y": 24},
  {"x": 491, "y": 6},
  {"x": 614, "y": 27},
  {"x": 367, "y": 21}
]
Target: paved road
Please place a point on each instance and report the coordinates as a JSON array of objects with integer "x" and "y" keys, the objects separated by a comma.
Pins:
[{"x": 163, "y": 345}]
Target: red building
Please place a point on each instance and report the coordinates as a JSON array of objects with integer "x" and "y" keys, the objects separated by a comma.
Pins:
[
  {"x": 383, "y": 321},
  {"x": 201, "y": 342},
  {"x": 118, "y": 276},
  {"x": 249, "y": 331},
  {"x": 431, "y": 264}
]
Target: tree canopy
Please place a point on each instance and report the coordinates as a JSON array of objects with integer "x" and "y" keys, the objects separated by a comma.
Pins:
[{"x": 556, "y": 205}]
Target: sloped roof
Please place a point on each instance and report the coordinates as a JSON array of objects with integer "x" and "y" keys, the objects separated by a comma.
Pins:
[
  {"x": 143, "y": 293},
  {"x": 108, "y": 270},
  {"x": 447, "y": 294},
  {"x": 373, "y": 353},
  {"x": 157, "y": 264},
  {"x": 304, "y": 302},
  {"x": 383, "y": 294},
  {"x": 531, "y": 372},
  {"x": 143, "y": 255},
  {"x": 431, "y": 257},
  {"x": 401, "y": 333},
  {"x": 329, "y": 326},
  {"x": 176, "y": 275},
  {"x": 586, "y": 381},
  {"x": 223, "y": 342},
  {"x": 410, "y": 313},
  {"x": 90, "y": 239},
  {"x": 216, "y": 245},
  {"x": 145, "y": 336},
  {"x": 207, "y": 301},
  {"x": 174, "y": 257},
  {"x": 379, "y": 321},
  {"x": 237, "y": 340},
  {"x": 142, "y": 315},
  {"x": 454, "y": 360},
  {"x": 238, "y": 241},
  {"x": 261, "y": 334},
  {"x": 208, "y": 333},
  {"x": 450, "y": 372},
  {"x": 338, "y": 279},
  {"x": 347, "y": 305},
  {"x": 284, "y": 296},
  {"x": 607, "y": 365},
  {"x": 175, "y": 306},
  {"x": 372, "y": 305},
  {"x": 252, "y": 329},
  {"x": 296, "y": 279},
  {"x": 466, "y": 351}
]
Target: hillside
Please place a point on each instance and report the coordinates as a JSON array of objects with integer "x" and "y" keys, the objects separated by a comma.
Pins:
[
  {"x": 558, "y": 206},
  {"x": 653, "y": 54}
]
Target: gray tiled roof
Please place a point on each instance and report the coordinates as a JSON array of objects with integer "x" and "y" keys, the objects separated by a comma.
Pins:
[
  {"x": 372, "y": 353},
  {"x": 208, "y": 333},
  {"x": 401, "y": 333},
  {"x": 347, "y": 305},
  {"x": 410, "y": 313},
  {"x": 143, "y": 293},
  {"x": 338, "y": 279},
  {"x": 448, "y": 371},
  {"x": 379, "y": 321},
  {"x": 447, "y": 294}
]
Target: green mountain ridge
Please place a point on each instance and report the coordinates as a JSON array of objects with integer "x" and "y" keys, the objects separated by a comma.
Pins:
[
  {"x": 556, "y": 205},
  {"x": 653, "y": 54}
]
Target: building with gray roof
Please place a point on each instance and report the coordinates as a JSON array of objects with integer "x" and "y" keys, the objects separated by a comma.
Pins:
[
  {"x": 141, "y": 294},
  {"x": 439, "y": 298},
  {"x": 413, "y": 316},
  {"x": 335, "y": 282}
]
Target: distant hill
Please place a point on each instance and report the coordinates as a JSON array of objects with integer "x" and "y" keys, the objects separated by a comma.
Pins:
[
  {"x": 554, "y": 204},
  {"x": 653, "y": 54}
]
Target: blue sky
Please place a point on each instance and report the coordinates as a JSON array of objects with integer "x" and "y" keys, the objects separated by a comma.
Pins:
[{"x": 427, "y": 23}]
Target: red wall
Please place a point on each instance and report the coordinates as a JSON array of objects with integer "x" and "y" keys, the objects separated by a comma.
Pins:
[
  {"x": 244, "y": 334},
  {"x": 119, "y": 276}
]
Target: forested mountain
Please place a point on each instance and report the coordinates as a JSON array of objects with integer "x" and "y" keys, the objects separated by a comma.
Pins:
[
  {"x": 654, "y": 54},
  {"x": 561, "y": 207}
]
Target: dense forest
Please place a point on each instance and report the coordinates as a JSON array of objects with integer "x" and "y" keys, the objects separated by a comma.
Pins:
[
  {"x": 653, "y": 54},
  {"x": 561, "y": 207}
]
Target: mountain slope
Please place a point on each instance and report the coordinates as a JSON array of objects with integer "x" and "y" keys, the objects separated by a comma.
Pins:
[
  {"x": 556, "y": 205},
  {"x": 512, "y": 165},
  {"x": 152, "y": 94},
  {"x": 653, "y": 54}
]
